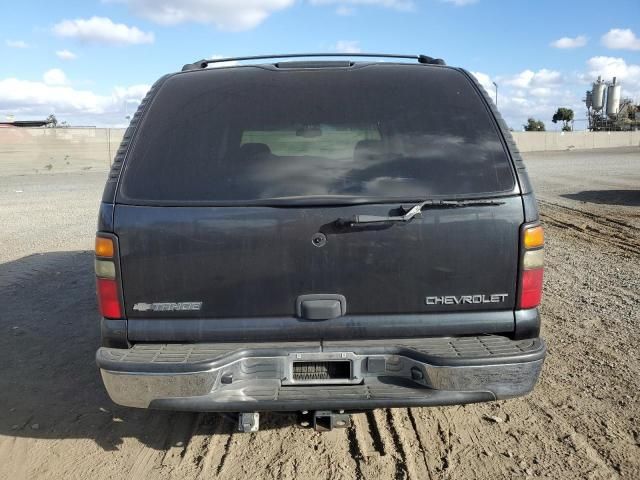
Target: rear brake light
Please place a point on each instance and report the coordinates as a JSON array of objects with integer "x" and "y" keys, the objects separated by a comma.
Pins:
[
  {"x": 107, "y": 281},
  {"x": 532, "y": 267},
  {"x": 108, "y": 298},
  {"x": 531, "y": 286}
]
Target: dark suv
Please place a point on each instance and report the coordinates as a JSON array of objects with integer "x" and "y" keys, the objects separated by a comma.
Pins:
[{"x": 317, "y": 235}]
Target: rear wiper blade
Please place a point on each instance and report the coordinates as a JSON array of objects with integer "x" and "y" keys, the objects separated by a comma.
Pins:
[{"x": 408, "y": 213}]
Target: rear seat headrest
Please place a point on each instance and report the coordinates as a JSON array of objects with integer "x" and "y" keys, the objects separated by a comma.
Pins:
[
  {"x": 254, "y": 150},
  {"x": 367, "y": 150}
]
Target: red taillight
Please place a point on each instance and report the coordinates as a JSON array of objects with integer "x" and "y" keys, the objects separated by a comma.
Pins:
[
  {"x": 108, "y": 298},
  {"x": 531, "y": 288},
  {"x": 531, "y": 267},
  {"x": 107, "y": 285}
]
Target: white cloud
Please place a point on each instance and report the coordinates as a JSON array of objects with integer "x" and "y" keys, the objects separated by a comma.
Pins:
[
  {"x": 484, "y": 80},
  {"x": 55, "y": 76},
  {"x": 609, "y": 67},
  {"x": 530, "y": 79},
  {"x": 540, "y": 103},
  {"x": 132, "y": 94},
  {"x": 403, "y": 5},
  {"x": 66, "y": 55},
  {"x": 569, "y": 42},
  {"x": 460, "y": 3},
  {"x": 234, "y": 15},
  {"x": 345, "y": 11},
  {"x": 621, "y": 39},
  {"x": 232, "y": 63},
  {"x": 16, "y": 44},
  {"x": 29, "y": 99},
  {"x": 530, "y": 94},
  {"x": 613, "y": 67},
  {"x": 102, "y": 30},
  {"x": 348, "y": 46},
  {"x": 539, "y": 93}
]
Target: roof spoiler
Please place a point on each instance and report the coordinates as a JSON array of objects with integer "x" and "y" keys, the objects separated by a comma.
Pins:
[{"x": 200, "y": 64}]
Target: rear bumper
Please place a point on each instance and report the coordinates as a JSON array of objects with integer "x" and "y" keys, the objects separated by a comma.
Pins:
[{"x": 384, "y": 373}]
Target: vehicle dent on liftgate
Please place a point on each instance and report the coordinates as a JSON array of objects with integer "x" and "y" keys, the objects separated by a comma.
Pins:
[{"x": 320, "y": 236}]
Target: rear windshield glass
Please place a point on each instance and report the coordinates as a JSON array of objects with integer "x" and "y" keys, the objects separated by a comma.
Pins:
[{"x": 251, "y": 133}]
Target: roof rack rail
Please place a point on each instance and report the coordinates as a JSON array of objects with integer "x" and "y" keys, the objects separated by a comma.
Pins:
[{"x": 420, "y": 58}]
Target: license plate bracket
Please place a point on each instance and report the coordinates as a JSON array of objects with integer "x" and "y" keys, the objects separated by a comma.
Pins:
[{"x": 336, "y": 368}]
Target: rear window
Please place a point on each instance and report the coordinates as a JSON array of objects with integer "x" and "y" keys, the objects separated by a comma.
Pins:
[{"x": 385, "y": 131}]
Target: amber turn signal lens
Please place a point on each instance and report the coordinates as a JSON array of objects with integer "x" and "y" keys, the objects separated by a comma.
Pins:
[
  {"x": 104, "y": 247},
  {"x": 533, "y": 237}
]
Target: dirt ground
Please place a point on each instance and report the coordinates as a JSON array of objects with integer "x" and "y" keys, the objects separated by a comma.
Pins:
[{"x": 581, "y": 421}]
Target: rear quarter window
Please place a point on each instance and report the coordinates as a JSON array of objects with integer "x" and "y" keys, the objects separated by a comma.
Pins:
[{"x": 251, "y": 133}]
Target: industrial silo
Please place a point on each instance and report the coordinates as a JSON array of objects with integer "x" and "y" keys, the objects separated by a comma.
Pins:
[
  {"x": 597, "y": 94},
  {"x": 589, "y": 99},
  {"x": 613, "y": 98}
]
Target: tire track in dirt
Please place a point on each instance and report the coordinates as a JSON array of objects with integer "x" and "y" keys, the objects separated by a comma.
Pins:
[
  {"x": 181, "y": 443},
  {"x": 392, "y": 452},
  {"x": 545, "y": 204},
  {"x": 370, "y": 449},
  {"x": 591, "y": 318},
  {"x": 364, "y": 444},
  {"x": 444, "y": 435},
  {"x": 408, "y": 444},
  {"x": 18, "y": 451},
  {"x": 210, "y": 447},
  {"x": 577, "y": 442},
  {"x": 225, "y": 453},
  {"x": 607, "y": 229},
  {"x": 279, "y": 450},
  {"x": 181, "y": 432},
  {"x": 194, "y": 447},
  {"x": 149, "y": 459},
  {"x": 421, "y": 443},
  {"x": 356, "y": 451}
]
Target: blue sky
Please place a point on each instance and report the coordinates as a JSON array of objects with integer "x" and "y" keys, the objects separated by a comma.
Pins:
[{"x": 91, "y": 61}]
